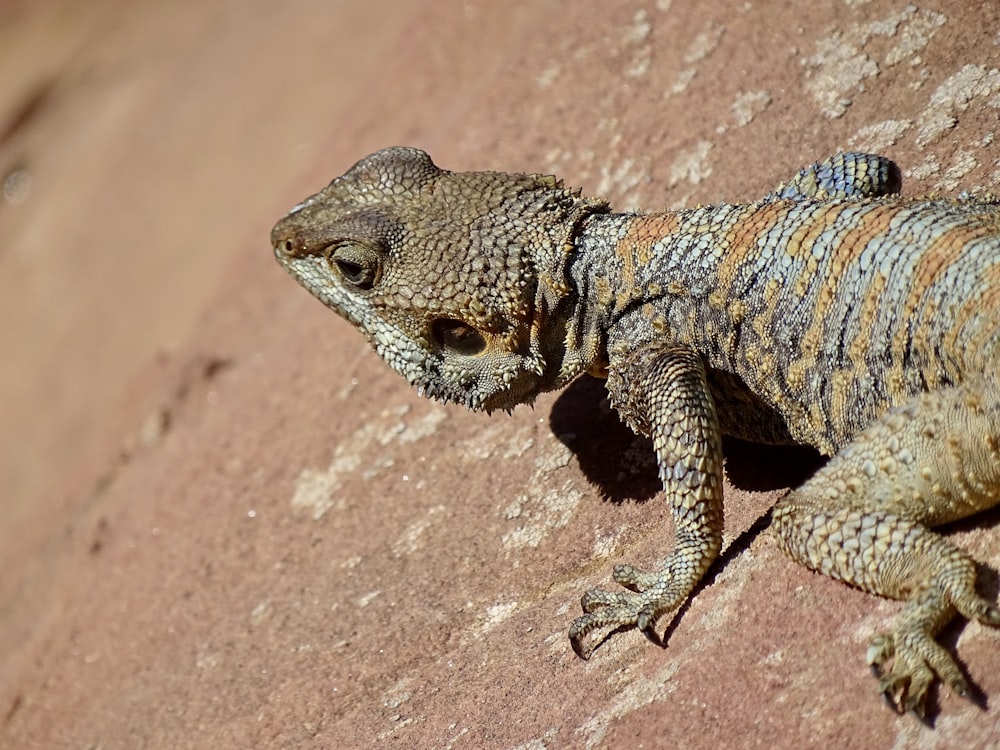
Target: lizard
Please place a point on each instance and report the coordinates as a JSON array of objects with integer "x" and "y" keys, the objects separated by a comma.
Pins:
[{"x": 834, "y": 313}]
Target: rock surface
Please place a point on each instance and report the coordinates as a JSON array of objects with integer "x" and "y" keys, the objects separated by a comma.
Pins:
[{"x": 227, "y": 524}]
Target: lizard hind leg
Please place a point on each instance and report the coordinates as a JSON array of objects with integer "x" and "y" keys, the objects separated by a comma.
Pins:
[{"x": 864, "y": 519}]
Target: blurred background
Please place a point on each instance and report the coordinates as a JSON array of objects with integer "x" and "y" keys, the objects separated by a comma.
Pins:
[{"x": 139, "y": 148}]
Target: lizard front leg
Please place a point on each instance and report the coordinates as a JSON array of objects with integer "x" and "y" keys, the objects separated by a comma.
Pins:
[
  {"x": 864, "y": 518},
  {"x": 661, "y": 391}
]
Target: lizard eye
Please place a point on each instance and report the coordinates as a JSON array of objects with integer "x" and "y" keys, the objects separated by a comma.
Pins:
[
  {"x": 458, "y": 338},
  {"x": 356, "y": 264}
]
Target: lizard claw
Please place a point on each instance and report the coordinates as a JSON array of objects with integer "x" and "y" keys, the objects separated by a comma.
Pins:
[{"x": 586, "y": 624}]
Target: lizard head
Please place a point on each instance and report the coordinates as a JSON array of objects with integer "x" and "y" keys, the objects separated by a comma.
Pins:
[{"x": 457, "y": 279}]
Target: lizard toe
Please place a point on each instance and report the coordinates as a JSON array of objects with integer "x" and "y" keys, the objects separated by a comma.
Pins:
[
  {"x": 604, "y": 611},
  {"x": 598, "y": 599},
  {"x": 635, "y": 579}
]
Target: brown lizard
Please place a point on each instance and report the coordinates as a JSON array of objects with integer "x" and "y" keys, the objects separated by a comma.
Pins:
[{"x": 832, "y": 313}]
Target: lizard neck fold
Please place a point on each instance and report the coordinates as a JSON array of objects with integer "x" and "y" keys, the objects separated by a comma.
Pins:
[{"x": 642, "y": 272}]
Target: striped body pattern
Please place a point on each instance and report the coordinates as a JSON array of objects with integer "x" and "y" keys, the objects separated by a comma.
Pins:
[
  {"x": 833, "y": 313},
  {"x": 803, "y": 300}
]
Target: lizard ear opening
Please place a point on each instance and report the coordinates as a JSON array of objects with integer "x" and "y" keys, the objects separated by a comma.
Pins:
[
  {"x": 456, "y": 337},
  {"x": 357, "y": 264}
]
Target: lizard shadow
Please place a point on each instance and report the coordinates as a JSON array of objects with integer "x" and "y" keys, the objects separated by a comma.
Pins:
[{"x": 622, "y": 465}]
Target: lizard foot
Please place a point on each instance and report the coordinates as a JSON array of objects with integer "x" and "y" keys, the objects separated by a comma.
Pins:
[
  {"x": 907, "y": 660},
  {"x": 650, "y": 596},
  {"x": 916, "y": 660}
]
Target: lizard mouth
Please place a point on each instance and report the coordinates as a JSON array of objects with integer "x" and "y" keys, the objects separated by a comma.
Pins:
[{"x": 484, "y": 397}]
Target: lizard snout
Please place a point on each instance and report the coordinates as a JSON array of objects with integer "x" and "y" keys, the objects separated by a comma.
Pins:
[{"x": 285, "y": 241}]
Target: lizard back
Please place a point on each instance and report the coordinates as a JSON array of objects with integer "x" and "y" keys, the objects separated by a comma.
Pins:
[{"x": 828, "y": 311}]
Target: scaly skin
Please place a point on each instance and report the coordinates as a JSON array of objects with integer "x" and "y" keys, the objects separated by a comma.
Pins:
[{"x": 831, "y": 313}]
